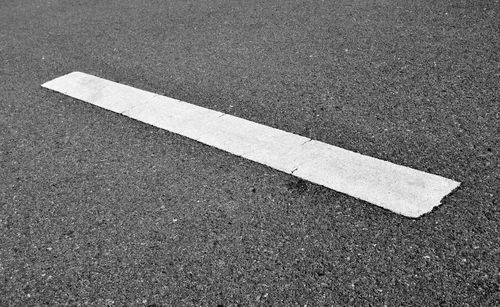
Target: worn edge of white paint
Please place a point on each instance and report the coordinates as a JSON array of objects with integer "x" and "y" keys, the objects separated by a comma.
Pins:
[{"x": 400, "y": 189}]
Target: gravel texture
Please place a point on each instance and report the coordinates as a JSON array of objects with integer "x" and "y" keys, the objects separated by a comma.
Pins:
[{"x": 99, "y": 210}]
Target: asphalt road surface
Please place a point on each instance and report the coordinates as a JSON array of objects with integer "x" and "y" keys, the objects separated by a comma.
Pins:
[{"x": 97, "y": 209}]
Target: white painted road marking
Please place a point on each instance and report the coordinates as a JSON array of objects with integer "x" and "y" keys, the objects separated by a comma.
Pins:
[{"x": 398, "y": 188}]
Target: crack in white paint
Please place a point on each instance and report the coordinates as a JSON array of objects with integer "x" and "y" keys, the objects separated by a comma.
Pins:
[
  {"x": 126, "y": 112},
  {"x": 306, "y": 142}
]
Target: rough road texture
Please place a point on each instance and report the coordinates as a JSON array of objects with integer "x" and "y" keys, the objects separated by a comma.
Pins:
[{"x": 97, "y": 209}]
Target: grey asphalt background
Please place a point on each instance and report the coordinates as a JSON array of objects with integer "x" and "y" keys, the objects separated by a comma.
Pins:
[{"x": 98, "y": 209}]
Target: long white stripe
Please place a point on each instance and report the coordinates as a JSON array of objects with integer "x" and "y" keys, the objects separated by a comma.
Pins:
[{"x": 398, "y": 188}]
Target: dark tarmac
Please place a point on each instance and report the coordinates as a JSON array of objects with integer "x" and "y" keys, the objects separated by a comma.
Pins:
[{"x": 97, "y": 209}]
